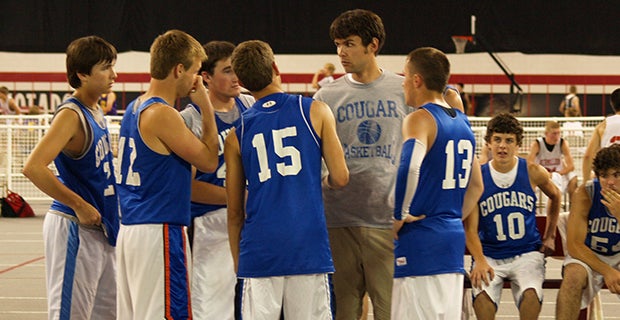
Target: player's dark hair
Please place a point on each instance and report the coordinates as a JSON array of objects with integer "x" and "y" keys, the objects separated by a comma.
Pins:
[
  {"x": 605, "y": 159},
  {"x": 504, "y": 123},
  {"x": 359, "y": 22}
]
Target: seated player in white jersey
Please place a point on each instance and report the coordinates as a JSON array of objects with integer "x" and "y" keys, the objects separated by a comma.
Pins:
[
  {"x": 278, "y": 237},
  {"x": 593, "y": 237},
  {"x": 501, "y": 235},
  {"x": 605, "y": 134},
  {"x": 553, "y": 153}
]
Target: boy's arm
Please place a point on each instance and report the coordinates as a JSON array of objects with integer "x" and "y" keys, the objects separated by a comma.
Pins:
[
  {"x": 481, "y": 272},
  {"x": 13, "y": 106},
  {"x": 235, "y": 192},
  {"x": 568, "y": 159},
  {"x": 474, "y": 189},
  {"x": 593, "y": 146},
  {"x": 540, "y": 177},
  {"x": 207, "y": 193},
  {"x": 418, "y": 130},
  {"x": 177, "y": 138},
  {"x": 65, "y": 130},
  {"x": 576, "y": 232},
  {"x": 324, "y": 124},
  {"x": 534, "y": 150}
]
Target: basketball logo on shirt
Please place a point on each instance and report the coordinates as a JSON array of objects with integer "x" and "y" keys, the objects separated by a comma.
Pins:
[{"x": 368, "y": 132}]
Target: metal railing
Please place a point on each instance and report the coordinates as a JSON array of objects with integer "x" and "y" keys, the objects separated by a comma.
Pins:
[{"x": 20, "y": 134}]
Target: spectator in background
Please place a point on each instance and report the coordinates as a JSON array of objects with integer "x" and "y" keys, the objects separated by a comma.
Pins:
[
  {"x": 7, "y": 104},
  {"x": 553, "y": 153},
  {"x": 327, "y": 72},
  {"x": 569, "y": 107},
  {"x": 107, "y": 102},
  {"x": 605, "y": 134},
  {"x": 34, "y": 110}
]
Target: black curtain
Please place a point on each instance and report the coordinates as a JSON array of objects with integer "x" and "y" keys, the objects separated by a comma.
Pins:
[{"x": 301, "y": 27}]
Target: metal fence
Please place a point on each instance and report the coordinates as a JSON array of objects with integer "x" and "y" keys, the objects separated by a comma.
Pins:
[{"x": 20, "y": 134}]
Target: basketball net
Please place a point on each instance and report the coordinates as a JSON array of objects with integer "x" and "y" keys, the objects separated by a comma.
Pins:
[{"x": 460, "y": 42}]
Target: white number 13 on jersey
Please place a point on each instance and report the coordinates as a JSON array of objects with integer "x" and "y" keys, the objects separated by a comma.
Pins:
[
  {"x": 464, "y": 147},
  {"x": 258, "y": 142}
]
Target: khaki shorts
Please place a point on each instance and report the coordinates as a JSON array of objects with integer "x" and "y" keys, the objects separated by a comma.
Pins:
[{"x": 364, "y": 262}]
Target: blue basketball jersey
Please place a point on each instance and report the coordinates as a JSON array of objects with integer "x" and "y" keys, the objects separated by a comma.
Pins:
[
  {"x": 91, "y": 175},
  {"x": 603, "y": 235},
  {"x": 219, "y": 176},
  {"x": 153, "y": 188},
  {"x": 435, "y": 245},
  {"x": 508, "y": 215},
  {"x": 284, "y": 231}
]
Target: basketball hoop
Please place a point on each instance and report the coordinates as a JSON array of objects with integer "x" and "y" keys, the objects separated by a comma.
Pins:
[{"x": 460, "y": 42}]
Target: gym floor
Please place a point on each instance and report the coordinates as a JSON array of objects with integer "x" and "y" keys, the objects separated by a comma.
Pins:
[{"x": 22, "y": 275}]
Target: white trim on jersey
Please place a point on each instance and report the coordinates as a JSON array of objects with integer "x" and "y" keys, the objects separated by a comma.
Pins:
[{"x": 308, "y": 125}]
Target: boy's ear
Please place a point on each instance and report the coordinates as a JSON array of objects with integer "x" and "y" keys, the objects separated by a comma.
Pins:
[
  {"x": 275, "y": 68},
  {"x": 374, "y": 45},
  {"x": 82, "y": 76},
  {"x": 178, "y": 70}
]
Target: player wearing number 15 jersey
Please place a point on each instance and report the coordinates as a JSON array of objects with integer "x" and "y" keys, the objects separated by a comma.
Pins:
[
  {"x": 279, "y": 238},
  {"x": 433, "y": 190},
  {"x": 502, "y": 236}
]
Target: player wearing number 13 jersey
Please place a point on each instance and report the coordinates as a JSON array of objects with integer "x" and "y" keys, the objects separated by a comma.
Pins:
[
  {"x": 450, "y": 157},
  {"x": 433, "y": 190},
  {"x": 502, "y": 235},
  {"x": 278, "y": 238}
]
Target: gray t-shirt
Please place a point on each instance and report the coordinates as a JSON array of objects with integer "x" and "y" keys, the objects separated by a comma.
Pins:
[{"x": 368, "y": 121}]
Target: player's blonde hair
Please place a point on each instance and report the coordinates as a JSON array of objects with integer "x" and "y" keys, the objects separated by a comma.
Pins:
[
  {"x": 172, "y": 48},
  {"x": 550, "y": 125}
]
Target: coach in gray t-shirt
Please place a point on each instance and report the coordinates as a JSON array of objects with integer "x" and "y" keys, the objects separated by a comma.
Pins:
[{"x": 369, "y": 107}]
